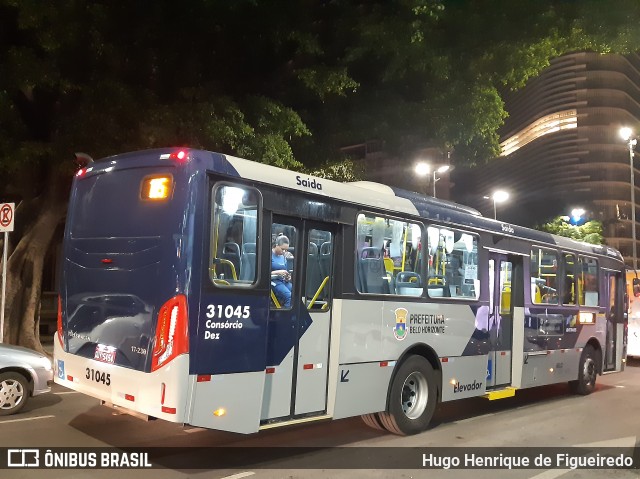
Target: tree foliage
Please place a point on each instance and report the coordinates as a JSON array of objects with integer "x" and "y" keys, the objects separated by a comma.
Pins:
[
  {"x": 281, "y": 82},
  {"x": 589, "y": 232},
  {"x": 344, "y": 170}
]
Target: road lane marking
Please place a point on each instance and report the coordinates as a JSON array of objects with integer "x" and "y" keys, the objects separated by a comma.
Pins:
[
  {"x": 67, "y": 392},
  {"x": 240, "y": 475},
  {"x": 26, "y": 419}
]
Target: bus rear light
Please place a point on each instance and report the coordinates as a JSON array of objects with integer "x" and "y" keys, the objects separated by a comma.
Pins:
[
  {"x": 168, "y": 410},
  {"x": 203, "y": 378},
  {"x": 60, "y": 321},
  {"x": 171, "y": 338},
  {"x": 129, "y": 397},
  {"x": 180, "y": 155},
  {"x": 81, "y": 172},
  {"x": 270, "y": 370}
]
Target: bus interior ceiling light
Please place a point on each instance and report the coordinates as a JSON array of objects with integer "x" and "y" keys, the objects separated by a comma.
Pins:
[{"x": 232, "y": 200}]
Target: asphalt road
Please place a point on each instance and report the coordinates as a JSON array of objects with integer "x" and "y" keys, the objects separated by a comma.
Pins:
[{"x": 542, "y": 417}]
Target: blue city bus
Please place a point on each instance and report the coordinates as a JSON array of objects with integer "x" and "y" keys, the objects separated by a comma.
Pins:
[{"x": 169, "y": 309}]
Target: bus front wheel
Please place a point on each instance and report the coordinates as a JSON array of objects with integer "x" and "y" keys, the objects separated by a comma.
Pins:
[
  {"x": 412, "y": 399},
  {"x": 587, "y": 372}
]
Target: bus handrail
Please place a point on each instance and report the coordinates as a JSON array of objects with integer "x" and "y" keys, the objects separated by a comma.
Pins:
[
  {"x": 275, "y": 300},
  {"x": 320, "y": 288},
  {"x": 217, "y": 261}
]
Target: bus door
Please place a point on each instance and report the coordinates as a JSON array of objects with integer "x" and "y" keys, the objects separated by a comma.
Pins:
[
  {"x": 614, "y": 303},
  {"x": 299, "y": 329},
  {"x": 501, "y": 285}
]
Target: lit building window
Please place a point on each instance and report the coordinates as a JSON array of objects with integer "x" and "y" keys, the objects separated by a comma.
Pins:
[{"x": 561, "y": 120}]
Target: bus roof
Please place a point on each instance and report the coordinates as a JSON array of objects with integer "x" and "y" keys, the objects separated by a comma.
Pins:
[{"x": 363, "y": 193}]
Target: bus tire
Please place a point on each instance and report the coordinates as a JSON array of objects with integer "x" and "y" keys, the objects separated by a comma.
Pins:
[
  {"x": 587, "y": 372},
  {"x": 412, "y": 399},
  {"x": 372, "y": 421}
]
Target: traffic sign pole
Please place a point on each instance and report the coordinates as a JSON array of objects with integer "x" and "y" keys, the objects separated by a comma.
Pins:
[
  {"x": 6, "y": 225},
  {"x": 4, "y": 283}
]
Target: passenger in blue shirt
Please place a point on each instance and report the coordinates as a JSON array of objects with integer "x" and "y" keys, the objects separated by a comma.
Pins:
[{"x": 280, "y": 277}]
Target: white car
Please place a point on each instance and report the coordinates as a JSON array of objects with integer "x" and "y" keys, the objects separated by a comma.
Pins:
[{"x": 23, "y": 373}]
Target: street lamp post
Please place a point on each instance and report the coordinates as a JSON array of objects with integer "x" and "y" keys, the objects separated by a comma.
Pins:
[
  {"x": 498, "y": 196},
  {"x": 423, "y": 169},
  {"x": 626, "y": 134},
  {"x": 442, "y": 169}
]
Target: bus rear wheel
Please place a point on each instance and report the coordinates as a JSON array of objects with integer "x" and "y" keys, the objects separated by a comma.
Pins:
[
  {"x": 587, "y": 372},
  {"x": 372, "y": 421},
  {"x": 412, "y": 399}
]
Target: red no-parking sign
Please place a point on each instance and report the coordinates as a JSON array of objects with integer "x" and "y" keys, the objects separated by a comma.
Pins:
[
  {"x": 6, "y": 225},
  {"x": 6, "y": 216}
]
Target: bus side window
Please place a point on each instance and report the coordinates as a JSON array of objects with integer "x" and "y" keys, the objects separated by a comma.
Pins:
[
  {"x": 234, "y": 223},
  {"x": 588, "y": 281},
  {"x": 283, "y": 237},
  {"x": 569, "y": 276},
  {"x": 386, "y": 248},
  {"x": 319, "y": 270},
  {"x": 453, "y": 264},
  {"x": 544, "y": 271}
]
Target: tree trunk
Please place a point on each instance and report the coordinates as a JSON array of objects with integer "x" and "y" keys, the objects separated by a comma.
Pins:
[{"x": 24, "y": 272}]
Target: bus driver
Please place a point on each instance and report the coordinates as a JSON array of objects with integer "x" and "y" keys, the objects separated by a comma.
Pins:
[{"x": 280, "y": 277}]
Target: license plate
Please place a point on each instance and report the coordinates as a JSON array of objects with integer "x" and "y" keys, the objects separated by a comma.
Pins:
[{"x": 104, "y": 353}]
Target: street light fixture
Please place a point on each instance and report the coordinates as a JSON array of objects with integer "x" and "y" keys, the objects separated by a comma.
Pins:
[
  {"x": 498, "y": 196},
  {"x": 442, "y": 169},
  {"x": 626, "y": 134},
  {"x": 576, "y": 215},
  {"x": 423, "y": 169}
]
